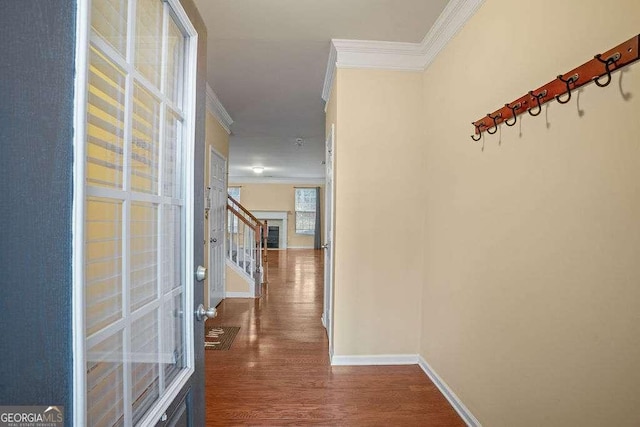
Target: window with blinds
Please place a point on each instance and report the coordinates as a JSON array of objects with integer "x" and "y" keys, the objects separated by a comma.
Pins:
[
  {"x": 234, "y": 192},
  {"x": 305, "y": 205},
  {"x": 134, "y": 210},
  {"x": 233, "y": 220}
]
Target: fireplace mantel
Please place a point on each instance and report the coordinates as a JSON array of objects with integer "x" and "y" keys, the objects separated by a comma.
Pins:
[{"x": 277, "y": 215}]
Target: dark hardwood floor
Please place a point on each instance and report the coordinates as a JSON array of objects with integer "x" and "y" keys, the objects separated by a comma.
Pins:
[{"x": 277, "y": 371}]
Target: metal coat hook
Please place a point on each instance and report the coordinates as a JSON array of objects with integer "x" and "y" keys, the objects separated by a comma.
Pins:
[
  {"x": 513, "y": 111},
  {"x": 598, "y": 69},
  {"x": 478, "y": 131},
  {"x": 607, "y": 65},
  {"x": 538, "y": 97},
  {"x": 572, "y": 80},
  {"x": 495, "y": 123}
]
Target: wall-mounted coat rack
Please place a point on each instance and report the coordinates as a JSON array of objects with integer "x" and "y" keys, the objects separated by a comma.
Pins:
[{"x": 597, "y": 70}]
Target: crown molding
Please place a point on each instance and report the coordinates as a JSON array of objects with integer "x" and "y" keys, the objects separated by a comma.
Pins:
[
  {"x": 235, "y": 180},
  {"x": 378, "y": 55},
  {"x": 454, "y": 16},
  {"x": 329, "y": 73},
  {"x": 399, "y": 56},
  {"x": 215, "y": 107}
]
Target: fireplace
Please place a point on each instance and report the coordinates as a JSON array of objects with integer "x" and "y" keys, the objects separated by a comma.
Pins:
[
  {"x": 273, "y": 237},
  {"x": 278, "y": 219}
]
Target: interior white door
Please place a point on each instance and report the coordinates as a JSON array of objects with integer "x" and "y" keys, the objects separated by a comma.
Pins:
[
  {"x": 217, "y": 216},
  {"x": 327, "y": 315}
]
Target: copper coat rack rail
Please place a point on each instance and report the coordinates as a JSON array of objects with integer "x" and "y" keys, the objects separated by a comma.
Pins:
[{"x": 597, "y": 70}]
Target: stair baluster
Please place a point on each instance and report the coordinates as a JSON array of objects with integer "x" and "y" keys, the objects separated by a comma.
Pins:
[{"x": 246, "y": 240}]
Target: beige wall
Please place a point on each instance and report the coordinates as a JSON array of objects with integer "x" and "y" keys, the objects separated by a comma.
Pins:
[
  {"x": 235, "y": 282},
  {"x": 531, "y": 273},
  {"x": 512, "y": 270},
  {"x": 218, "y": 138},
  {"x": 279, "y": 197},
  {"x": 377, "y": 206}
]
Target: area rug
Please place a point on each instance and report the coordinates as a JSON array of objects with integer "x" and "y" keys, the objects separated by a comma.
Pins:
[{"x": 220, "y": 337}]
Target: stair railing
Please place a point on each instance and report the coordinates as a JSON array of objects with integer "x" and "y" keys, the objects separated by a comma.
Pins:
[{"x": 247, "y": 242}]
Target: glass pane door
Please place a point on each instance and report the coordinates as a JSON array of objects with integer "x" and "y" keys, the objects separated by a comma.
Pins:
[{"x": 135, "y": 224}]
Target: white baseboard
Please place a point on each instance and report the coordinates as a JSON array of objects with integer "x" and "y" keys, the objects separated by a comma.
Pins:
[
  {"x": 454, "y": 400},
  {"x": 300, "y": 247},
  {"x": 238, "y": 295},
  {"x": 410, "y": 359},
  {"x": 324, "y": 322},
  {"x": 378, "y": 359}
]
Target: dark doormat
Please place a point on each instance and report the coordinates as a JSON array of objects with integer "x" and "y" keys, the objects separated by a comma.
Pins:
[{"x": 220, "y": 337}]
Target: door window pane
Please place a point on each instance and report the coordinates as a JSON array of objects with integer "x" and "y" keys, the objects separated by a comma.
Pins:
[
  {"x": 149, "y": 39},
  {"x": 144, "y": 254},
  {"x": 175, "y": 64},
  {"x": 105, "y": 382},
  {"x": 109, "y": 20},
  {"x": 173, "y": 337},
  {"x": 171, "y": 248},
  {"x": 144, "y": 368},
  {"x": 145, "y": 141},
  {"x": 172, "y": 181},
  {"x": 105, "y": 122},
  {"x": 103, "y": 263}
]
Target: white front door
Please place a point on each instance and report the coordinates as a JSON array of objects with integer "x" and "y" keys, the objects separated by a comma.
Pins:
[
  {"x": 327, "y": 315},
  {"x": 217, "y": 215}
]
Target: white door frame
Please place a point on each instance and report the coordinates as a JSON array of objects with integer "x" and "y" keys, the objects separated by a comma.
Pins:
[
  {"x": 329, "y": 196},
  {"x": 212, "y": 208}
]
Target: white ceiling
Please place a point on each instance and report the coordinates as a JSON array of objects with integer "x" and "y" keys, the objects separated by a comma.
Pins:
[{"x": 267, "y": 60}]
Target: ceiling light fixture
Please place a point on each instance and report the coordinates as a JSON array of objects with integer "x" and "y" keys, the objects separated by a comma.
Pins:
[{"x": 258, "y": 169}]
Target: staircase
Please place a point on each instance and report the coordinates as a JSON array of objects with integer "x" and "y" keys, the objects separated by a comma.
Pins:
[{"x": 246, "y": 245}]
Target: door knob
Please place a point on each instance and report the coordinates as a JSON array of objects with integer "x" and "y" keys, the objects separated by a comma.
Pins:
[
  {"x": 202, "y": 314},
  {"x": 325, "y": 246},
  {"x": 213, "y": 240},
  {"x": 201, "y": 273}
]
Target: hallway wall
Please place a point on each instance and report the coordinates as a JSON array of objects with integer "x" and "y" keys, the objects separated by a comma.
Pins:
[
  {"x": 378, "y": 205},
  {"x": 217, "y": 136},
  {"x": 530, "y": 287},
  {"x": 519, "y": 285}
]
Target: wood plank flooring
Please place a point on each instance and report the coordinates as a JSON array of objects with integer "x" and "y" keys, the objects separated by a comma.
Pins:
[{"x": 277, "y": 371}]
